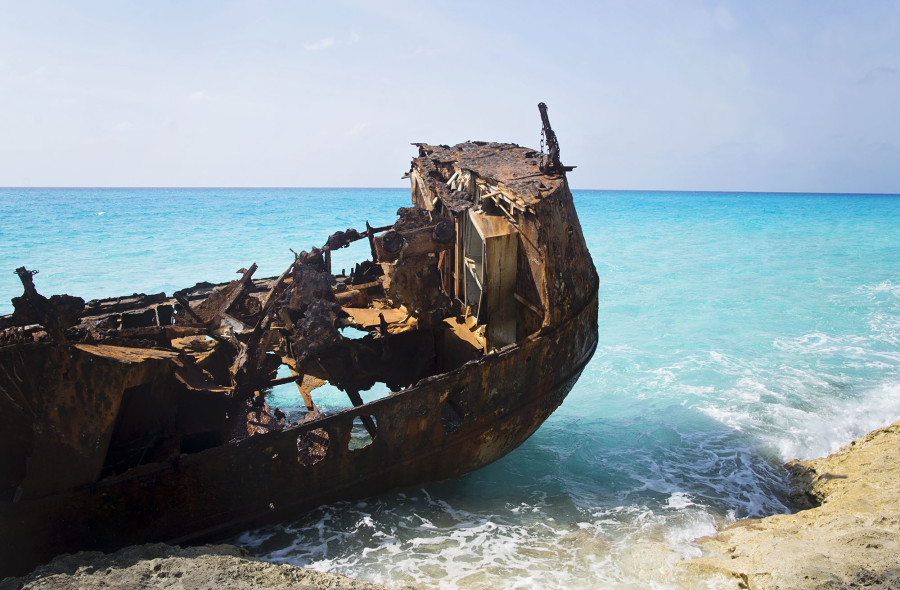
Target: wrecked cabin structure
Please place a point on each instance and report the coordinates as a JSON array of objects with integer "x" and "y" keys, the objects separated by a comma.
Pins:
[{"x": 144, "y": 418}]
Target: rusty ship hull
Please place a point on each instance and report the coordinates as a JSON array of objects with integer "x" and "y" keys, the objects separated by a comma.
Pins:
[
  {"x": 144, "y": 419},
  {"x": 227, "y": 489}
]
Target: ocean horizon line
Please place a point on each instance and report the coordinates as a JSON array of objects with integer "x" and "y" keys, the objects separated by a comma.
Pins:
[{"x": 385, "y": 188}]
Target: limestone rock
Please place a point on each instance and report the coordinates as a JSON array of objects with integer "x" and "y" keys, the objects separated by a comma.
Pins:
[
  {"x": 214, "y": 567},
  {"x": 848, "y": 538}
]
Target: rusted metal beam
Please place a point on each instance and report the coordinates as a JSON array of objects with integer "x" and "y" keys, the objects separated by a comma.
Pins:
[
  {"x": 269, "y": 299},
  {"x": 370, "y": 235},
  {"x": 307, "y": 398},
  {"x": 415, "y": 242},
  {"x": 218, "y": 303},
  {"x": 186, "y": 306},
  {"x": 179, "y": 331}
]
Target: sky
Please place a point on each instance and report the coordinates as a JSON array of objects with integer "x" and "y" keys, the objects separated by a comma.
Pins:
[{"x": 795, "y": 96}]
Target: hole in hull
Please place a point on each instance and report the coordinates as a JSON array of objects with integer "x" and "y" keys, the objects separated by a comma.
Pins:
[
  {"x": 312, "y": 446},
  {"x": 360, "y": 435},
  {"x": 451, "y": 416}
]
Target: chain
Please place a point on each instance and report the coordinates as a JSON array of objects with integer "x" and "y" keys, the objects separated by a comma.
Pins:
[{"x": 543, "y": 161}]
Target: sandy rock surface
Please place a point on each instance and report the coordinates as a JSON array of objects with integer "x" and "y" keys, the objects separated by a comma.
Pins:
[
  {"x": 848, "y": 538},
  {"x": 164, "y": 566}
]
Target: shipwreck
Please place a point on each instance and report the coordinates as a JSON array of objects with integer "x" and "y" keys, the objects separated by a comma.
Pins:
[{"x": 144, "y": 418}]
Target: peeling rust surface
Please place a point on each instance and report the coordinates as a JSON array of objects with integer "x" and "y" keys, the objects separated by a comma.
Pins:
[{"x": 145, "y": 418}]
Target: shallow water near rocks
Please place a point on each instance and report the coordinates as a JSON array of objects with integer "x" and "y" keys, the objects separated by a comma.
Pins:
[{"x": 737, "y": 331}]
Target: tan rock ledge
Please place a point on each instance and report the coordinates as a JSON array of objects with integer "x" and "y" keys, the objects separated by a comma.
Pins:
[
  {"x": 849, "y": 537},
  {"x": 164, "y": 566}
]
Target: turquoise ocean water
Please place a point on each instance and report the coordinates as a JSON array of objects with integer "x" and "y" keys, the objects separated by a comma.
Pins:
[{"x": 737, "y": 331}]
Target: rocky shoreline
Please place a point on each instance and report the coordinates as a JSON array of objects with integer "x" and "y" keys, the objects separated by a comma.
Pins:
[
  {"x": 847, "y": 536},
  {"x": 157, "y": 565}
]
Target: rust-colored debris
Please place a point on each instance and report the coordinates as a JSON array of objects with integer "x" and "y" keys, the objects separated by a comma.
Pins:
[{"x": 145, "y": 418}]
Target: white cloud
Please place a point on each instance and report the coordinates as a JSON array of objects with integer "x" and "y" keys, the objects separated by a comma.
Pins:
[
  {"x": 319, "y": 45},
  {"x": 123, "y": 126},
  {"x": 198, "y": 95},
  {"x": 356, "y": 129},
  {"x": 354, "y": 37}
]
